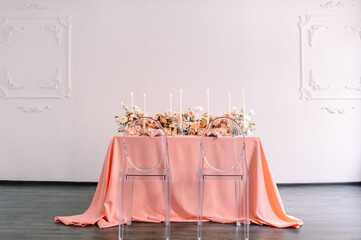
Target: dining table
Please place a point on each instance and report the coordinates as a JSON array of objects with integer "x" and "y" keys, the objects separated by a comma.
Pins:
[{"x": 265, "y": 204}]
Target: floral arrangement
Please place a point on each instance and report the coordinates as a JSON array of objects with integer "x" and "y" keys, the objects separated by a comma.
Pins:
[
  {"x": 193, "y": 122},
  {"x": 169, "y": 121},
  {"x": 246, "y": 122},
  {"x": 129, "y": 116}
]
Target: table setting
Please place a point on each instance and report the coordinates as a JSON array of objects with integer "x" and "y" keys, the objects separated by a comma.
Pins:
[{"x": 184, "y": 130}]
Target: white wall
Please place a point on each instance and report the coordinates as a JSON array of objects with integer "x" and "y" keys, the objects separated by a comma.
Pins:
[{"x": 159, "y": 46}]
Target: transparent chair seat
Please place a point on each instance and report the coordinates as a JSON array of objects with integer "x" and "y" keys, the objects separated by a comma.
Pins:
[
  {"x": 223, "y": 157},
  {"x": 145, "y": 158},
  {"x": 133, "y": 174},
  {"x": 209, "y": 174}
]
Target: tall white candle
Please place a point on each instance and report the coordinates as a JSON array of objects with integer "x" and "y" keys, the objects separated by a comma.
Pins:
[
  {"x": 180, "y": 108},
  {"x": 244, "y": 106},
  {"x": 170, "y": 102},
  {"x": 229, "y": 103},
  {"x": 132, "y": 100},
  {"x": 145, "y": 104},
  {"x": 207, "y": 106}
]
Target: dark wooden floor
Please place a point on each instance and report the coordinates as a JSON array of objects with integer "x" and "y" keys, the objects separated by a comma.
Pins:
[{"x": 27, "y": 211}]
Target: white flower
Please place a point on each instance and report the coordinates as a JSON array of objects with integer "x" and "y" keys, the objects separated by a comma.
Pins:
[
  {"x": 251, "y": 112},
  {"x": 198, "y": 109},
  {"x": 136, "y": 108},
  {"x": 123, "y": 119}
]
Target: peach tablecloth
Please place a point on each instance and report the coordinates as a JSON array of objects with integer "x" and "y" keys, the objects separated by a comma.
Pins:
[{"x": 265, "y": 205}]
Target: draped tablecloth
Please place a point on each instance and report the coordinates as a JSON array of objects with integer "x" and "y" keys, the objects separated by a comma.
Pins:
[{"x": 265, "y": 205}]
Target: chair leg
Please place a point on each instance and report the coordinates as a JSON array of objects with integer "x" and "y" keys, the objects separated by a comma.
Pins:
[
  {"x": 129, "y": 202},
  {"x": 244, "y": 209},
  {"x": 237, "y": 192},
  {"x": 167, "y": 202},
  {"x": 246, "y": 206},
  {"x": 200, "y": 205},
  {"x": 169, "y": 198},
  {"x": 121, "y": 209}
]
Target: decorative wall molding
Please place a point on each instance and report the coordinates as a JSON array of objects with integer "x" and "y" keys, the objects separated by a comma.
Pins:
[
  {"x": 58, "y": 86},
  {"x": 10, "y": 30},
  {"x": 65, "y": 21},
  {"x": 33, "y": 108},
  {"x": 354, "y": 28},
  {"x": 10, "y": 83},
  {"x": 336, "y": 4},
  {"x": 314, "y": 29},
  {"x": 305, "y": 94},
  {"x": 32, "y": 6},
  {"x": 354, "y": 87},
  {"x": 304, "y": 20},
  {"x": 315, "y": 85},
  {"x": 56, "y": 30},
  {"x": 338, "y": 110},
  {"x": 65, "y": 93},
  {"x": 324, "y": 58},
  {"x": 55, "y": 83}
]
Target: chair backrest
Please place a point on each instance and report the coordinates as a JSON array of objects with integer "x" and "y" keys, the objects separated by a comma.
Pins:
[
  {"x": 146, "y": 145},
  {"x": 222, "y": 145}
]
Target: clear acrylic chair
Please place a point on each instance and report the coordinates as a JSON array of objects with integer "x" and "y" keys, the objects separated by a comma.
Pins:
[
  {"x": 223, "y": 157},
  {"x": 145, "y": 157}
]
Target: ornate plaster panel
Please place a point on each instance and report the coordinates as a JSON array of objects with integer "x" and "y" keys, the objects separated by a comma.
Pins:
[
  {"x": 36, "y": 56},
  {"x": 331, "y": 58}
]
